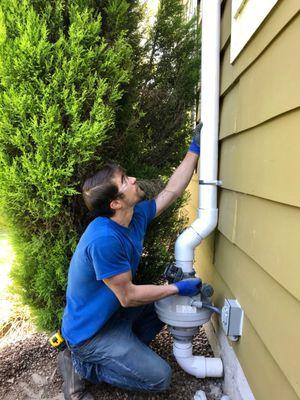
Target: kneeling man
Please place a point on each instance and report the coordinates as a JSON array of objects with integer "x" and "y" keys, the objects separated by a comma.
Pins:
[{"x": 109, "y": 321}]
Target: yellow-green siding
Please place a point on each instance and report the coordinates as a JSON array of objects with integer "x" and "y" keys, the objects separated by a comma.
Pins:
[{"x": 254, "y": 255}]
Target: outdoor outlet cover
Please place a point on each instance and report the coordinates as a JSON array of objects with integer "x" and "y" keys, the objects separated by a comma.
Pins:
[{"x": 232, "y": 318}]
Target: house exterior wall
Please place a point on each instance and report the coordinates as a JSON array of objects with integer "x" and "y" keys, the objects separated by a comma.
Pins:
[{"x": 254, "y": 254}]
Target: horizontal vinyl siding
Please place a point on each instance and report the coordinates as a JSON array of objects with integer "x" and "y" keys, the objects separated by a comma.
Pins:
[
  {"x": 225, "y": 23},
  {"x": 274, "y": 314},
  {"x": 254, "y": 254},
  {"x": 263, "y": 373},
  {"x": 265, "y": 376},
  {"x": 267, "y": 89},
  {"x": 275, "y": 23},
  {"x": 266, "y": 231},
  {"x": 264, "y": 161}
]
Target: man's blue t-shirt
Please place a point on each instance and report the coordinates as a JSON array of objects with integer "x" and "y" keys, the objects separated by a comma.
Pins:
[{"x": 105, "y": 249}]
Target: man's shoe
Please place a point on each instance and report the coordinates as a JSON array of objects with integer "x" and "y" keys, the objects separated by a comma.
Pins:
[{"x": 74, "y": 386}]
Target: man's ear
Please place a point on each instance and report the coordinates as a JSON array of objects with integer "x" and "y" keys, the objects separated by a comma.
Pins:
[{"x": 115, "y": 204}]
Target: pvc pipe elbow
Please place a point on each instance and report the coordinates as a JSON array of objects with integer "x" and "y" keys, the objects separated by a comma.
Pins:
[
  {"x": 206, "y": 222},
  {"x": 193, "y": 235},
  {"x": 198, "y": 366},
  {"x": 185, "y": 244}
]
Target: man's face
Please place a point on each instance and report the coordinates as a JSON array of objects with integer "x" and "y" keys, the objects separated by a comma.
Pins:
[{"x": 128, "y": 186}]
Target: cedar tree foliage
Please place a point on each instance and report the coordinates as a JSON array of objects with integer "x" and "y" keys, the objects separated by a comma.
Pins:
[{"x": 78, "y": 87}]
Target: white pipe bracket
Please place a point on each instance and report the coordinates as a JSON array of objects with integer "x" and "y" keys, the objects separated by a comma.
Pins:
[{"x": 214, "y": 182}]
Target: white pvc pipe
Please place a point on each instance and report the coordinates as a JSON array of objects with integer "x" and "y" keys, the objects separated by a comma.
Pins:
[
  {"x": 210, "y": 71},
  {"x": 206, "y": 222},
  {"x": 198, "y": 366}
]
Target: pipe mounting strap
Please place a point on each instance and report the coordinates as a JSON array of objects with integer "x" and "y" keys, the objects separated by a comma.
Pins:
[{"x": 215, "y": 182}]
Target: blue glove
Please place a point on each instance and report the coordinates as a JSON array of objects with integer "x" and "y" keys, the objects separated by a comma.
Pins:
[
  {"x": 195, "y": 145},
  {"x": 189, "y": 287}
]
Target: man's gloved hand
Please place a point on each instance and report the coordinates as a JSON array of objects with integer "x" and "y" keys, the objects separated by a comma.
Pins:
[
  {"x": 195, "y": 145},
  {"x": 188, "y": 287}
]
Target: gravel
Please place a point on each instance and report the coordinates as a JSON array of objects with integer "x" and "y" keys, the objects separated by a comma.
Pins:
[{"x": 28, "y": 372}]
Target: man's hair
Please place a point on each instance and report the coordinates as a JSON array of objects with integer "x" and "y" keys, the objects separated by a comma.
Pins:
[{"x": 99, "y": 190}]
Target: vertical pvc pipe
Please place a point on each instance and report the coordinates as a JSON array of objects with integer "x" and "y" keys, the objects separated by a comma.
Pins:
[
  {"x": 208, "y": 164},
  {"x": 210, "y": 78}
]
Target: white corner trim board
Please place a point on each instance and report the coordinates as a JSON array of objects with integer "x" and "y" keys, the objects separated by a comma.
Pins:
[
  {"x": 235, "y": 382},
  {"x": 246, "y": 17}
]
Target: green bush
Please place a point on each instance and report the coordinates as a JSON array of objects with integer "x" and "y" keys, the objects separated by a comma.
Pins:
[{"x": 78, "y": 89}]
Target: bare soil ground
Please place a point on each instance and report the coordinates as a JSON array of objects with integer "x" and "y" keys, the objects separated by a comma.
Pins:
[{"x": 28, "y": 372}]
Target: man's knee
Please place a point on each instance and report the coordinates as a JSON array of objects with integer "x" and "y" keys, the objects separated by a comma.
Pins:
[{"x": 163, "y": 381}]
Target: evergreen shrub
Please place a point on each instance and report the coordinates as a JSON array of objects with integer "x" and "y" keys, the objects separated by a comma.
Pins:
[{"x": 77, "y": 89}]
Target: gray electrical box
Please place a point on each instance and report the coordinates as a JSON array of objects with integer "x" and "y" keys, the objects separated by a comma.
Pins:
[{"x": 232, "y": 318}]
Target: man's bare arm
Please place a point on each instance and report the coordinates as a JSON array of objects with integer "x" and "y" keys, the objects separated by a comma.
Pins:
[
  {"x": 131, "y": 295},
  {"x": 177, "y": 183}
]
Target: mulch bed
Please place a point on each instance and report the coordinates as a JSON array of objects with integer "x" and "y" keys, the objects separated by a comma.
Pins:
[{"x": 28, "y": 372}]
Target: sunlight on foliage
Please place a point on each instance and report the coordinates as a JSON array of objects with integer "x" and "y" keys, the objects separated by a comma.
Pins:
[
  {"x": 77, "y": 90},
  {"x": 14, "y": 316}
]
